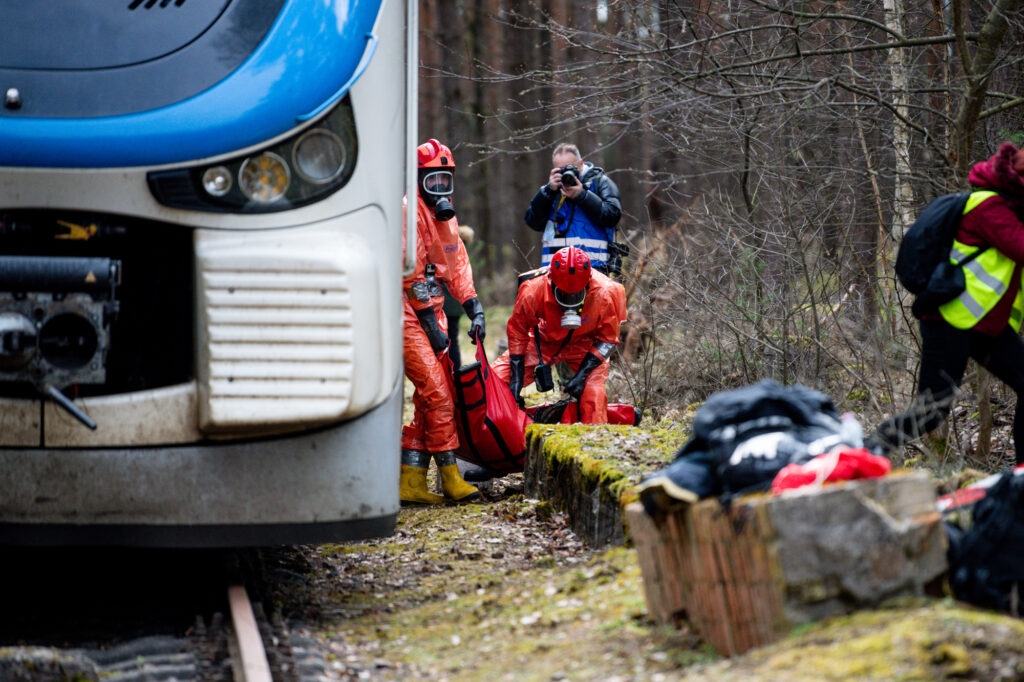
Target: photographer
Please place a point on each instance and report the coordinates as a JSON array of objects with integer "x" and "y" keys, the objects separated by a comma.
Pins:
[{"x": 579, "y": 206}]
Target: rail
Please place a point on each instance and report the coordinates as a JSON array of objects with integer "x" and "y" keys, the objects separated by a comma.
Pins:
[{"x": 248, "y": 655}]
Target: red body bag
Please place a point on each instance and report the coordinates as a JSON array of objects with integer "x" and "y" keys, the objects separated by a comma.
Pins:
[
  {"x": 492, "y": 428},
  {"x": 618, "y": 413}
]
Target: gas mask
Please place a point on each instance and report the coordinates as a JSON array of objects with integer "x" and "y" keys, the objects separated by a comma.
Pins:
[
  {"x": 572, "y": 306},
  {"x": 436, "y": 187}
]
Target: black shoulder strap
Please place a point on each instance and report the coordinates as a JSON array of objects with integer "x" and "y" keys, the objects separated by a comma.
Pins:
[
  {"x": 524, "y": 277},
  {"x": 984, "y": 247},
  {"x": 536, "y": 339}
]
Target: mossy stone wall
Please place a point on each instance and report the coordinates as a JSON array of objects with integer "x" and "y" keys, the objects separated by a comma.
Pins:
[{"x": 584, "y": 484}]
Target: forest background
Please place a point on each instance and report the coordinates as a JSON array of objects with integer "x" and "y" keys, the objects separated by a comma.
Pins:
[{"x": 770, "y": 155}]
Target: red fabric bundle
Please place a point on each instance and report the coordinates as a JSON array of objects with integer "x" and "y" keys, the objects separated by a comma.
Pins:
[{"x": 843, "y": 465}]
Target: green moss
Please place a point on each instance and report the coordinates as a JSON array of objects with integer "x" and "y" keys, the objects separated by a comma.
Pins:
[
  {"x": 604, "y": 460},
  {"x": 953, "y": 657},
  {"x": 909, "y": 640},
  {"x": 544, "y": 511},
  {"x": 858, "y": 395},
  {"x": 607, "y": 454},
  {"x": 612, "y": 457}
]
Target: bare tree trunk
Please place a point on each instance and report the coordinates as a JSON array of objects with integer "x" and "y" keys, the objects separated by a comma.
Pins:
[
  {"x": 983, "y": 385},
  {"x": 903, "y": 203},
  {"x": 978, "y": 71}
]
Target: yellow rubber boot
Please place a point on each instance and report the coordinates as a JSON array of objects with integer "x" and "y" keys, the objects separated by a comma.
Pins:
[
  {"x": 455, "y": 487},
  {"x": 412, "y": 484},
  {"x": 412, "y": 487}
]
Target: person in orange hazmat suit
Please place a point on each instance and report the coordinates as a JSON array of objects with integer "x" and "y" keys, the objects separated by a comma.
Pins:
[
  {"x": 440, "y": 259},
  {"x": 568, "y": 313}
]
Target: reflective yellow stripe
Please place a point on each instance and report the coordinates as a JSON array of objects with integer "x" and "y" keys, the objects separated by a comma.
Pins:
[
  {"x": 963, "y": 312},
  {"x": 972, "y": 305}
]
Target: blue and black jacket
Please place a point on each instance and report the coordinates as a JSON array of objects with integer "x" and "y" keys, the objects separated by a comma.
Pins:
[{"x": 587, "y": 223}]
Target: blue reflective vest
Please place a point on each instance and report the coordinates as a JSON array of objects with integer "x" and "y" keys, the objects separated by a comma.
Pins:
[{"x": 569, "y": 225}]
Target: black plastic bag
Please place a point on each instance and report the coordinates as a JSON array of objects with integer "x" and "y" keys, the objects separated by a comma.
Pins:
[{"x": 986, "y": 560}]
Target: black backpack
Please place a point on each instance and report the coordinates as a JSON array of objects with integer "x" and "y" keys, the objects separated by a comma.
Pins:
[
  {"x": 751, "y": 433},
  {"x": 986, "y": 561},
  {"x": 922, "y": 263}
]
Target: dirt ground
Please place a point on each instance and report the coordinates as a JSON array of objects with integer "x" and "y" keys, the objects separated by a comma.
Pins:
[
  {"x": 502, "y": 590},
  {"x": 498, "y": 590}
]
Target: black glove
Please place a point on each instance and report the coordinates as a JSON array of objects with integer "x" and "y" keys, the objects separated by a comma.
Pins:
[
  {"x": 428, "y": 320},
  {"x": 517, "y": 363},
  {"x": 574, "y": 386},
  {"x": 475, "y": 313}
]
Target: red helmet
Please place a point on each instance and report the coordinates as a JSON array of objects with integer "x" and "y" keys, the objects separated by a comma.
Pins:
[
  {"x": 433, "y": 154},
  {"x": 570, "y": 274}
]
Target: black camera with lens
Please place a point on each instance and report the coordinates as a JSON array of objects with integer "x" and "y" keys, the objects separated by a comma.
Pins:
[
  {"x": 616, "y": 252},
  {"x": 542, "y": 378},
  {"x": 570, "y": 176}
]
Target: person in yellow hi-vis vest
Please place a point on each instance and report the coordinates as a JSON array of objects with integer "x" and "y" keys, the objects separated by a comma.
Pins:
[{"x": 984, "y": 321}]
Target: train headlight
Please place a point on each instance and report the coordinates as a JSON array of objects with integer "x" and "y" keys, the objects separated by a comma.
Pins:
[
  {"x": 307, "y": 167},
  {"x": 319, "y": 156},
  {"x": 217, "y": 181},
  {"x": 264, "y": 178}
]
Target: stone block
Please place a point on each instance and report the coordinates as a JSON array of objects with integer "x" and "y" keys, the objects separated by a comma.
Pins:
[
  {"x": 746, "y": 576},
  {"x": 581, "y": 487}
]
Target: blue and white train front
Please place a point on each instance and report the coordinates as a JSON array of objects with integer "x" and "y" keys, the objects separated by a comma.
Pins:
[{"x": 200, "y": 257}]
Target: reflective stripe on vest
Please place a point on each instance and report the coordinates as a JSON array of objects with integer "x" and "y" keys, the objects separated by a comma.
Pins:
[
  {"x": 987, "y": 277},
  {"x": 596, "y": 249}
]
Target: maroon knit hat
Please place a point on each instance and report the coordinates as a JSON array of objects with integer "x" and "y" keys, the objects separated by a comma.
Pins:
[
  {"x": 1002, "y": 165},
  {"x": 1017, "y": 162}
]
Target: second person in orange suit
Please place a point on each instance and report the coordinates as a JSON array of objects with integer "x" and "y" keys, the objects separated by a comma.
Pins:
[
  {"x": 568, "y": 313},
  {"x": 440, "y": 258}
]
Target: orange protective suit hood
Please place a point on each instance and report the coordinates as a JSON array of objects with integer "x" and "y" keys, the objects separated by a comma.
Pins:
[{"x": 436, "y": 177}]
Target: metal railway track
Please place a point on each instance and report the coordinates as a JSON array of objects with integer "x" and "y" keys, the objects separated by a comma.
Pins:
[
  {"x": 248, "y": 655},
  {"x": 223, "y": 651},
  {"x": 130, "y": 614}
]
